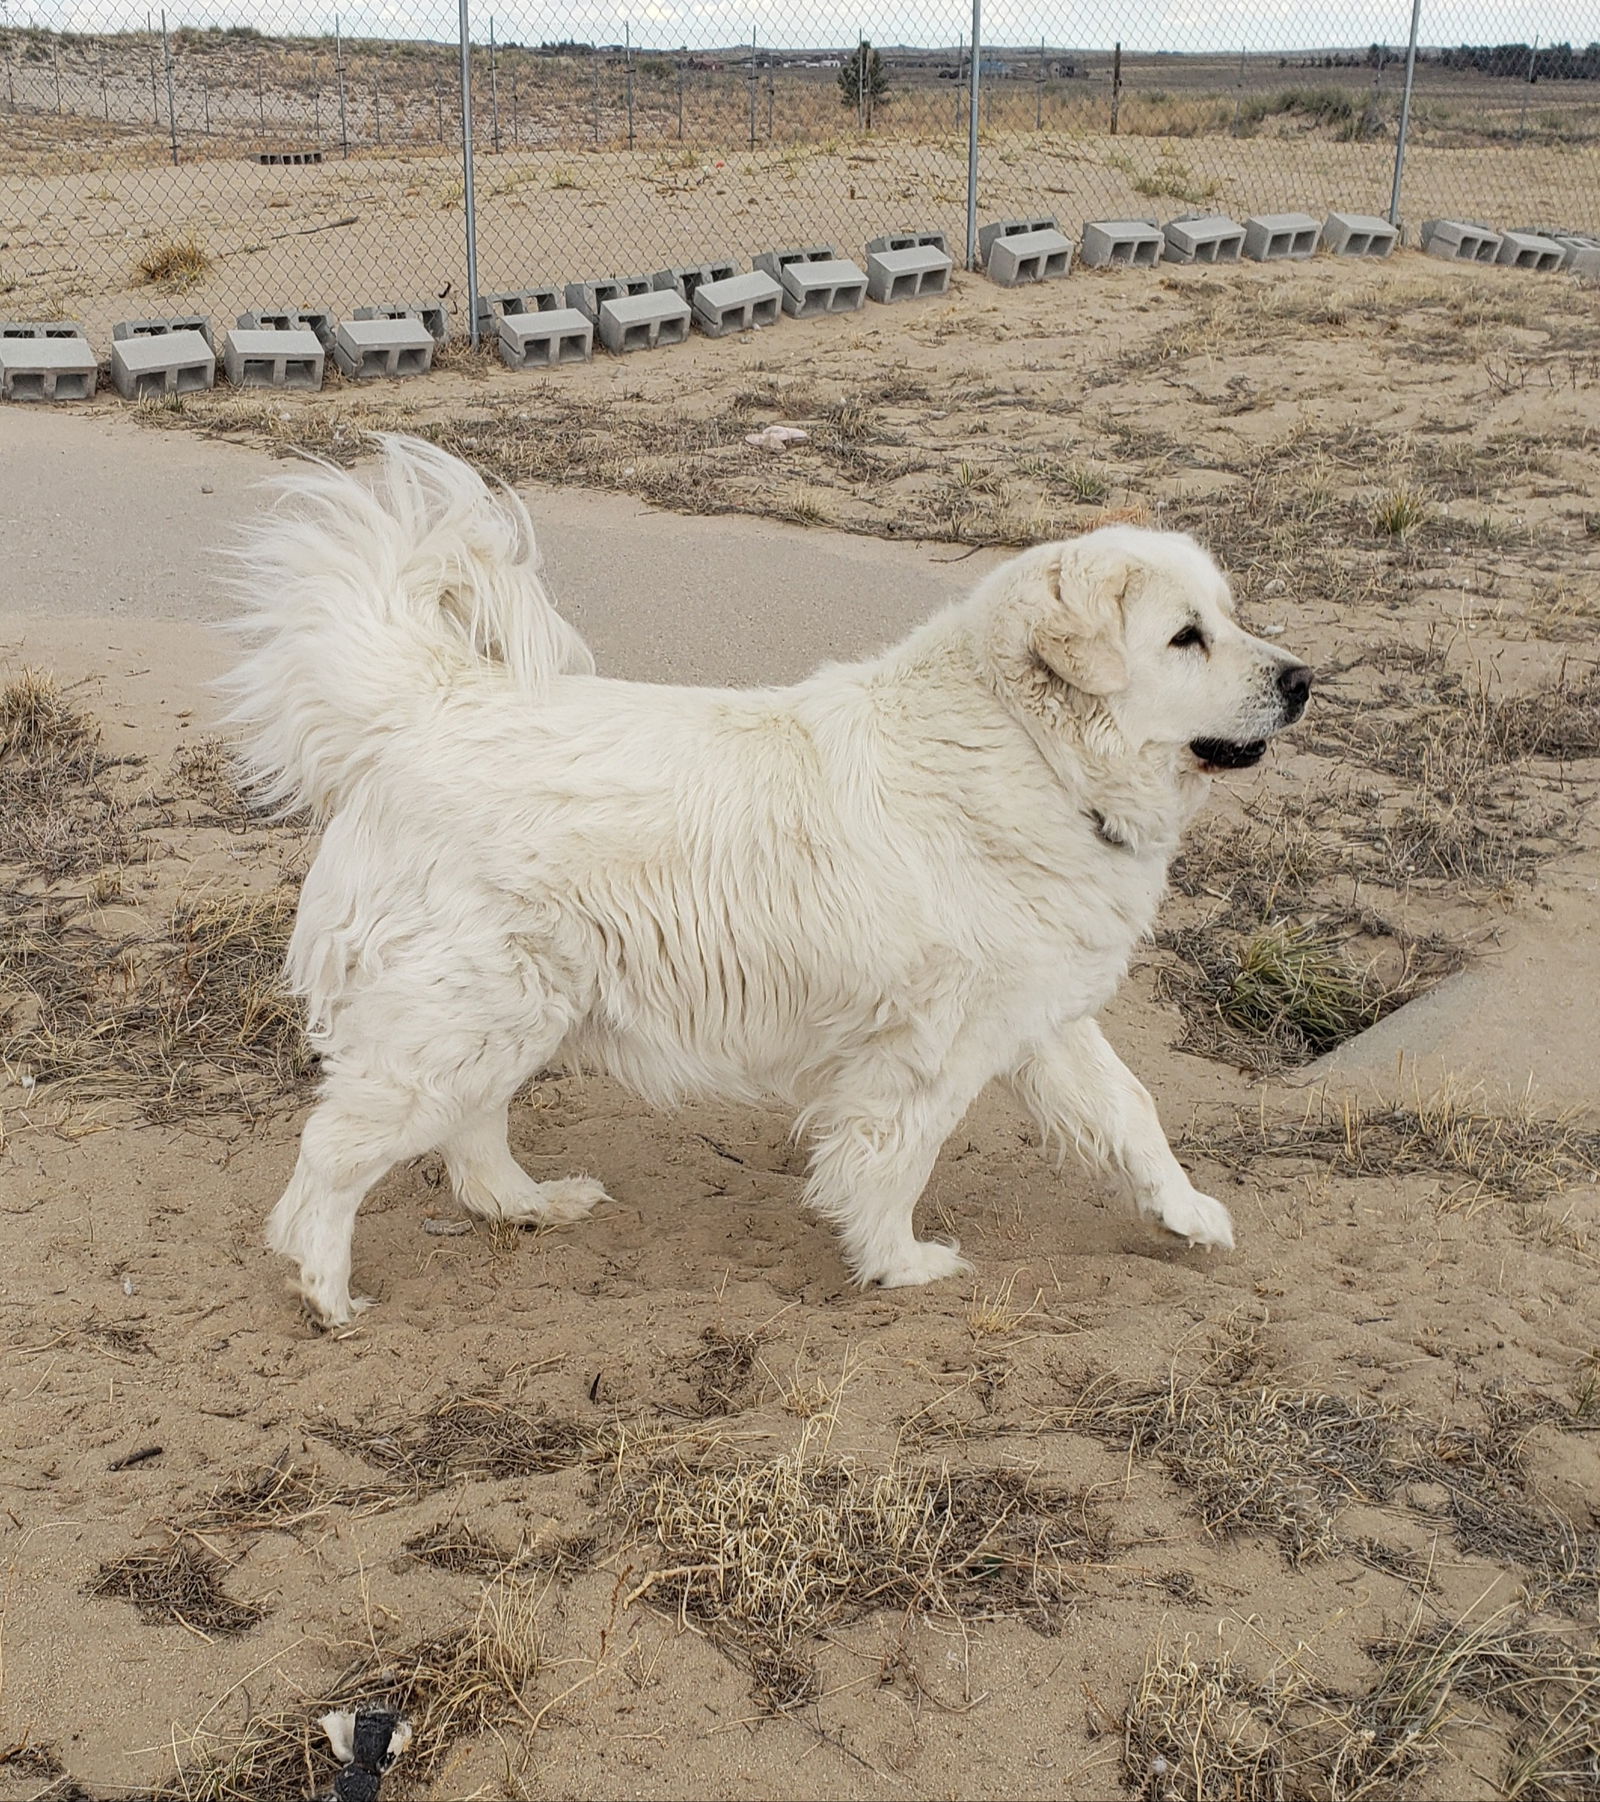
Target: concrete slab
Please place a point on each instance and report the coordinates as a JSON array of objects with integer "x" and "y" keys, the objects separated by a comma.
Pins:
[
  {"x": 273, "y": 359},
  {"x": 660, "y": 596},
  {"x": 1524, "y": 1013},
  {"x": 157, "y": 363},
  {"x": 46, "y": 368}
]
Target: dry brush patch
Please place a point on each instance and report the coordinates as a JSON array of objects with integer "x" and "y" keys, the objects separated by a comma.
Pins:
[{"x": 767, "y": 1553}]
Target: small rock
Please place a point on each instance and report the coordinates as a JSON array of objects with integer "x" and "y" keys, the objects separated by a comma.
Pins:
[{"x": 446, "y": 1229}]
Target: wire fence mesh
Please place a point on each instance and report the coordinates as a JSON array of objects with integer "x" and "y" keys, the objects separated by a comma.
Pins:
[{"x": 260, "y": 155}]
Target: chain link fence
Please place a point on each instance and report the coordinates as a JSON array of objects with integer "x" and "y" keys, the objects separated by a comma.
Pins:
[{"x": 272, "y": 154}]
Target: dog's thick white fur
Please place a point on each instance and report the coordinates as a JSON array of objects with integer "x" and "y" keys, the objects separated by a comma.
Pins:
[{"x": 862, "y": 897}]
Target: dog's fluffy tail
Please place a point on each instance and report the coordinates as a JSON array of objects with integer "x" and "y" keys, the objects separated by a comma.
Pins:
[{"x": 365, "y": 603}]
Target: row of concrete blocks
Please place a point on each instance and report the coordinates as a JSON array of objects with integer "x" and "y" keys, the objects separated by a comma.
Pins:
[
  {"x": 537, "y": 328},
  {"x": 1031, "y": 250},
  {"x": 1469, "y": 241},
  {"x": 286, "y": 348}
]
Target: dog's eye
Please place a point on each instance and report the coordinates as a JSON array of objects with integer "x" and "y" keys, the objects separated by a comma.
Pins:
[{"x": 1188, "y": 636}]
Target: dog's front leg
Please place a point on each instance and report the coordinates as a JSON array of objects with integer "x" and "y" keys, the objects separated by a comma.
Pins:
[
  {"x": 873, "y": 1150},
  {"x": 1083, "y": 1097}
]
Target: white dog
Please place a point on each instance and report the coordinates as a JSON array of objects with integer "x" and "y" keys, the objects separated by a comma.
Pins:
[{"x": 863, "y": 897}]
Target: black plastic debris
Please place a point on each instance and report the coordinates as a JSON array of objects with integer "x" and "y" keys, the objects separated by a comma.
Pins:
[{"x": 367, "y": 1743}]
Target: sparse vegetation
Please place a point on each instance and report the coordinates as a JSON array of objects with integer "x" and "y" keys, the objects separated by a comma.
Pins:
[{"x": 174, "y": 265}]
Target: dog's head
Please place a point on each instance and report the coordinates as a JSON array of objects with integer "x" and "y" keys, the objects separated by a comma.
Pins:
[{"x": 1131, "y": 633}]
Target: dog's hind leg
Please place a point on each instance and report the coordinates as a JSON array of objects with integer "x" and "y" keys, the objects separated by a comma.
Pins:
[
  {"x": 869, "y": 1165},
  {"x": 491, "y": 1183},
  {"x": 428, "y": 1058},
  {"x": 1083, "y": 1097}
]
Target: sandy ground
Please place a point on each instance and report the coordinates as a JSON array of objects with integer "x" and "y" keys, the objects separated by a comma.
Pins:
[{"x": 1453, "y": 1298}]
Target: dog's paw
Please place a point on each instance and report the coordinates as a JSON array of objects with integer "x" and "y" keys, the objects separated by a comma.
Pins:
[
  {"x": 572, "y": 1198},
  {"x": 926, "y": 1261},
  {"x": 1198, "y": 1219},
  {"x": 331, "y": 1310}
]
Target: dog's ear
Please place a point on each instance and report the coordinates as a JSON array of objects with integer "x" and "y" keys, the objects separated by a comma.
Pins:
[{"x": 1079, "y": 634}]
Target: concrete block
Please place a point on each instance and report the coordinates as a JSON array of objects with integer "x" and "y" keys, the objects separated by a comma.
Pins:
[
  {"x": 273, "y": 358},
  {"x": 430, "y": 314},
  {"x": 1580, "y": 255},
  {"x": 157, "y": 328},
  {"x": 643, "y": 321},
  {"x": 542, "y": 337},
  {"x": 1529, "y": 250},
  {"x": 818, "y": 285},
  {"x": 1358, "y": 235},
  {"x": 1020, "y": 257},
  {"x": 1135, "y": 243},
  {"x": 368, "y": 348},
  {"x": 685, "y": 278},
  {"x": 988, "y": 235},
  {"x": 774, "y": 262},
  {"x": 41, "y": 328},
  {"x": 590, "y": 297},
  {"x": 46, "y": 367},
  {"x": 908, "y": 274},
  {"x": 289, "y": 156},
  {"x": 154, "y": 363},
  {"x": 1280, "y": 237},
  {"x": 1459, "y": 241},
  {"x": 1210, "y": 239},
  {"x": 291, "y": 319},
  {"x": 493, "y": 307},
  {"x": 909, "y": 241},
  {"x": 741, "y": 303}
]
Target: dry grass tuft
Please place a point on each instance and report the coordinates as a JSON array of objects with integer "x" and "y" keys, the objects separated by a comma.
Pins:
[
  {"x": 727, "y": 1373},
  {"x": 282, "y": 1497},
  {"x": 1510, "y": 1154},
  {"x": 1279, "y": 1461},
  {"x": 57, "y": 817},
  {"x": 1207, "y": 1731},
  {"x": 181, "y": 1583},
  {"x": 207, "y": 769},
  {"x": 174, "y": 265},
  {"x": 458, "y": 1549},
  {"x": 192, "y": 1022},
  {"x": 1289, "y": 992},
  {"x": 450, "y": 1686},
  {"x": 820, "y": 1542},
  {"x": 482, "y": 1435}
]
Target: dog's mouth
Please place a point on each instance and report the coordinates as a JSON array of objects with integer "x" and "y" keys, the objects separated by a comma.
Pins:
[{"x": 1223, "y": 754}]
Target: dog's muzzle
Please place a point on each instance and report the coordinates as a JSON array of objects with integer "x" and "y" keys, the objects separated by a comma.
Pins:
[{"x": 1294, "y": 690}]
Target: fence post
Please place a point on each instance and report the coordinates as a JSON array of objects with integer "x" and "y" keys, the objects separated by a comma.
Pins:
[
  {"x": 627, "y": 70},
  {"x": 172, "y": 117},
  {"x": 1405, "y": 115},
  {"x": 972, "y": 133},
  {"x": 752, "y": 87},
  {"x": 338, "y": 63},
  {"x": 494, "y": 90},
  {"x": 467, "y": 192}
]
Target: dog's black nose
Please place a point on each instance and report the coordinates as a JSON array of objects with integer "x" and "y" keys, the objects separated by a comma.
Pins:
[{"x": 1294, "y": 683}]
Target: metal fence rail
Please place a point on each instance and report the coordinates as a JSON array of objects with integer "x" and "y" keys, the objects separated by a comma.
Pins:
[{"x": 374, "y": 154}]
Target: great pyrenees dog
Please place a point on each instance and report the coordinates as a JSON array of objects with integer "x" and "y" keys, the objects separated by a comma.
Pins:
[{"x": 862, "y": 897}]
